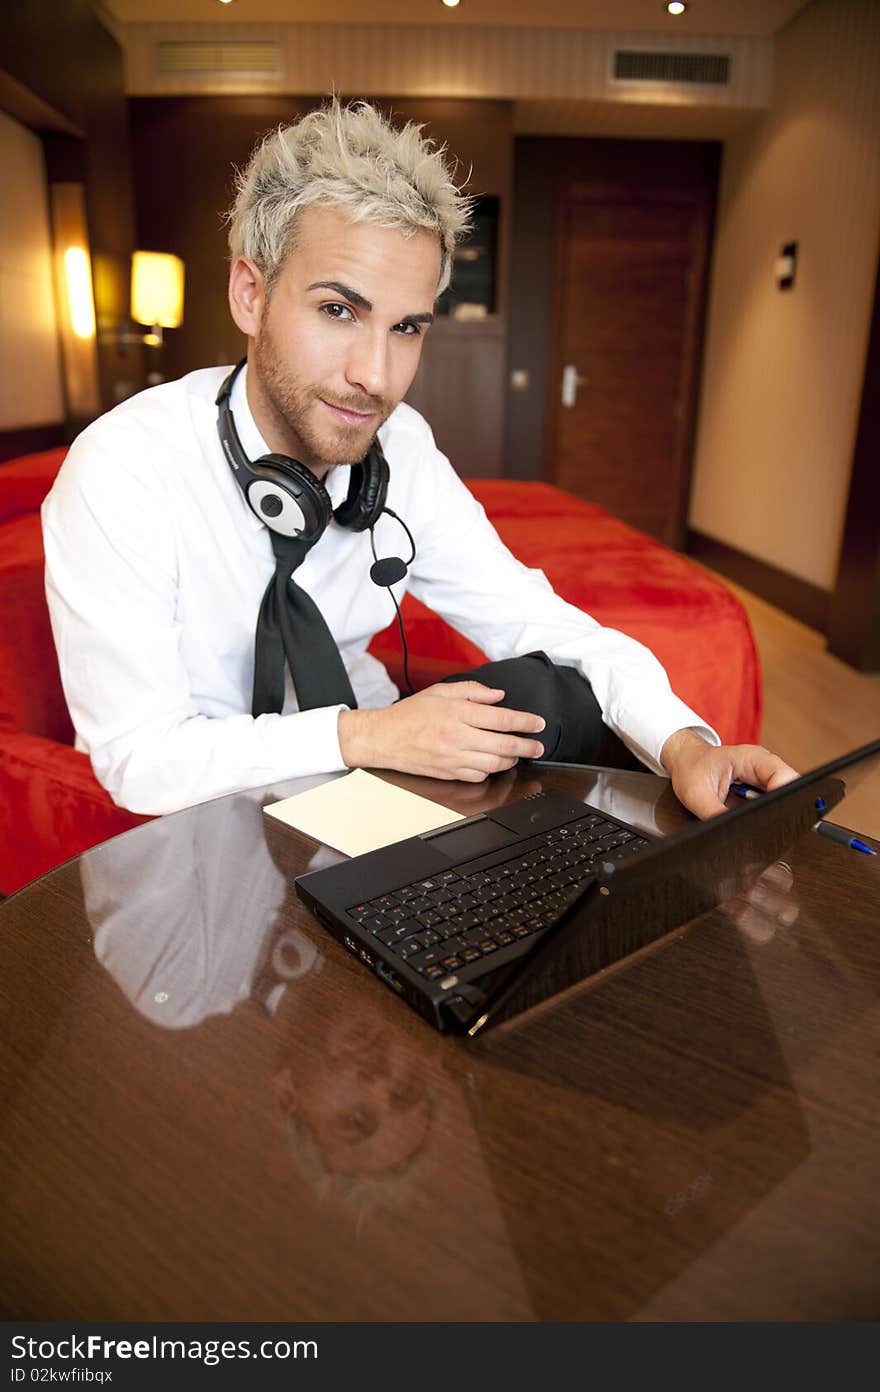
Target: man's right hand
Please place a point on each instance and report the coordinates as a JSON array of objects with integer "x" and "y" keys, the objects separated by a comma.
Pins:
[{"x": 451, "y": 730}]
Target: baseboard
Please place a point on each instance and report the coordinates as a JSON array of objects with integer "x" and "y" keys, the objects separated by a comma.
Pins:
[{"x": 806, "y": 602}]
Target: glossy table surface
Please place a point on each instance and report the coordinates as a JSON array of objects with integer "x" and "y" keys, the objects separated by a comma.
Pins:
[{"x": 211, "y": 1112}]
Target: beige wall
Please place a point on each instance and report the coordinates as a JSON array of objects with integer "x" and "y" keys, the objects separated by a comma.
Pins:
[
  {"x": 30, "y": 377},
  {"x": 783, "y": 370}
]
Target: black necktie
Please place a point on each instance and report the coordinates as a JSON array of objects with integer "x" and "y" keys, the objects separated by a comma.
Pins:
[{"x": 291, "y": 624}]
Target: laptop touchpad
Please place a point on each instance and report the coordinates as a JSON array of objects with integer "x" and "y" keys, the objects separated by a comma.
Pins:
[{"x": 462, "y": 843}]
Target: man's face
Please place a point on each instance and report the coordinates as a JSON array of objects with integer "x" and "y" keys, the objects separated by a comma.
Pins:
[
  {"x": 364, "y": 1095},
  {"x": 337, "y": 343}
]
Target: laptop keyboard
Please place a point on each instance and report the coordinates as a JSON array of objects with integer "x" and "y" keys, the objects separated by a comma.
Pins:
[{"x": 442, "y": 924}]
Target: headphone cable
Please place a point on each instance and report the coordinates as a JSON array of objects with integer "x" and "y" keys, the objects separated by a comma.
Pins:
[{"x": 409, "y": 685}]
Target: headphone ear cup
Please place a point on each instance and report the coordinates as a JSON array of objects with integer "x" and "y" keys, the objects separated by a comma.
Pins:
[
  {"x": 367, "y": 492},
  {"x": 281, "y": 492},
  {"x": 288, "y": 498}
]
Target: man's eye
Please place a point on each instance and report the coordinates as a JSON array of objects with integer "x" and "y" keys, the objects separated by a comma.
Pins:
[
  {"x": 337, "y": 311},
  {"x": 407, "y": 328}
]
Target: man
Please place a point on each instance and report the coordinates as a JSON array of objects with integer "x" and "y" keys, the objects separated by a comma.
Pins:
[{"x": 161, "y": 558}]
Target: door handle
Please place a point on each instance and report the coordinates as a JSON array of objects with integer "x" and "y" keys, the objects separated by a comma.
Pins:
[{"x": 571, "y": 380}]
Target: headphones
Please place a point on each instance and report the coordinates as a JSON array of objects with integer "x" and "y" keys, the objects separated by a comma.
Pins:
[
  {"x": 290, "y": 500},
  {"x": 287, "y": 497}
]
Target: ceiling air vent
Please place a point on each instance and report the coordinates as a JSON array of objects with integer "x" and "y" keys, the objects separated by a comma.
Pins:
[
  {"x": 203, "y": 58},
  {"x": 646, "y": 66}
]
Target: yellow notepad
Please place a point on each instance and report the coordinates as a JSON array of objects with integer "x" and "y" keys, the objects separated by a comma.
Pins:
[{"x": 360, "y": 813}]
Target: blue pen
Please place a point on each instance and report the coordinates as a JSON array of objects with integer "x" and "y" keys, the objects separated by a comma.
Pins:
[
  {"x": 827, "y": 829},
  {"x": 744, "y": 790},
  {"x": 843, "y": 837}
]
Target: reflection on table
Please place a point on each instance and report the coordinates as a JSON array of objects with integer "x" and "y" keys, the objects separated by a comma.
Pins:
[{"x": 212, "y": 1113}]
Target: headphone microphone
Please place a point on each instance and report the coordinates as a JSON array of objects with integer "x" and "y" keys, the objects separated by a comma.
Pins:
[{"x": 387, "y": 572}]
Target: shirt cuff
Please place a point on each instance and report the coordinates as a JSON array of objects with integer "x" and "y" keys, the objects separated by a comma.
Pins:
[
  {"x": 647, "y": 738},
  {"x": 310, "y": 742}
]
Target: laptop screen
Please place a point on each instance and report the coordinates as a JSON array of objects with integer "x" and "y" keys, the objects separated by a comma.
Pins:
[{"x": 673, "y": 881}]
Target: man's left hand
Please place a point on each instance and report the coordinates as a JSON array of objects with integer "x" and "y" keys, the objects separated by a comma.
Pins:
[{"x": 702, "y": 773}]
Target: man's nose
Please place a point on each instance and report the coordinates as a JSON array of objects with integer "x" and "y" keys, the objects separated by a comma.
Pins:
[{"x": 368, "y": 366}]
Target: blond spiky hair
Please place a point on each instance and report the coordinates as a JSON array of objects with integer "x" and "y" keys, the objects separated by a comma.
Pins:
[{"x": 352, "y": 158}]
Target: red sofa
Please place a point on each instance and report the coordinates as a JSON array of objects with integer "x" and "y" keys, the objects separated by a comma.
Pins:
[{"x": 51, "y": 806}]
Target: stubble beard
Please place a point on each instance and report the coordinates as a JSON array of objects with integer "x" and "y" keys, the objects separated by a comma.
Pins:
[{"x": 292, "y": 403}]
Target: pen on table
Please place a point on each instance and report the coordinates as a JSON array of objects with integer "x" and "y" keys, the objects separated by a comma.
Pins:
[{"x": 843, "y": 837}]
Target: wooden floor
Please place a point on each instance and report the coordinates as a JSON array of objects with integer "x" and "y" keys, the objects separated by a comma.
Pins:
[{"x": 815, "y": 706}]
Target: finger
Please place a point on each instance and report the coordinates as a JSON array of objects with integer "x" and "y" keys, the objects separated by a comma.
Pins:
[
  {"x": 469, "y": 690},
  {"x": 762, "y": 896},
  {"x": 754, "y": 925},
  {"x": 502, "y": 719},
  {"x": 470, "y": 775},
  {"x": 508, "y": 748},
  {"x": 755, "y": 764},
  {"x": 782, "y": 775},
  {"x": 749, "y": 915},
  {"x": 773, "y": 906},
  {"x": 778, "y": 876}
]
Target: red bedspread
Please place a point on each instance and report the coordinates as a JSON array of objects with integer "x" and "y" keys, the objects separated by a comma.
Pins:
[{"x": 691, "y": 621}]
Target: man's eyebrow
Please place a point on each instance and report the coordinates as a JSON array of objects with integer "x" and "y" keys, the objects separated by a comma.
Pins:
[
  {"x": 362, "y": 302},
  {"x": 345, "y": 291}
]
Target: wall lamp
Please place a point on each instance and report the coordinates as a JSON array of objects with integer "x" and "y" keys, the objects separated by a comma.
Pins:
[
  {"x": 156, "y": 293},
  {"x": 156, "y": 298},
  {"x": 75, "y": 300}
]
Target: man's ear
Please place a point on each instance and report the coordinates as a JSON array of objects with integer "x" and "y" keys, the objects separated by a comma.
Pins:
[{"x": 247, "y": 295}]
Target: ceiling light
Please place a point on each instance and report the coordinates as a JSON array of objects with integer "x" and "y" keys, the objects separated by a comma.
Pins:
[
  {"x": 676, "y": 7},
  {"x": 450, "y": 4}
]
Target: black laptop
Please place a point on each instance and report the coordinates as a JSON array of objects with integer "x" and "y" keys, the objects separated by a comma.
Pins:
[{"x": 476, "y": 922}]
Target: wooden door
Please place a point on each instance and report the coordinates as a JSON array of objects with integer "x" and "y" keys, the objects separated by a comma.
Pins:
[{"x": 628, "y": 317}]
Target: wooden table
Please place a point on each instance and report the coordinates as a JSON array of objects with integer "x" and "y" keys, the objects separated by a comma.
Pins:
[{"x": 211, "y": 1113}]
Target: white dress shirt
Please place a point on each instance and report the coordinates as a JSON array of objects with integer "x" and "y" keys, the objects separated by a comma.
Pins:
[{"x": 156, "y": 566}]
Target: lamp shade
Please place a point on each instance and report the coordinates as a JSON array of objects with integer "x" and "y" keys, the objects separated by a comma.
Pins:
[{"x": 157, "y": 289}]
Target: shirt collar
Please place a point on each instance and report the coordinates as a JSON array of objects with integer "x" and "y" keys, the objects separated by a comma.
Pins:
[{"x": 336, "y": 480}]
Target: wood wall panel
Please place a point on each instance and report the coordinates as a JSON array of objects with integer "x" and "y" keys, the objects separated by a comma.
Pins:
[{"x": 459, "y": 389}]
